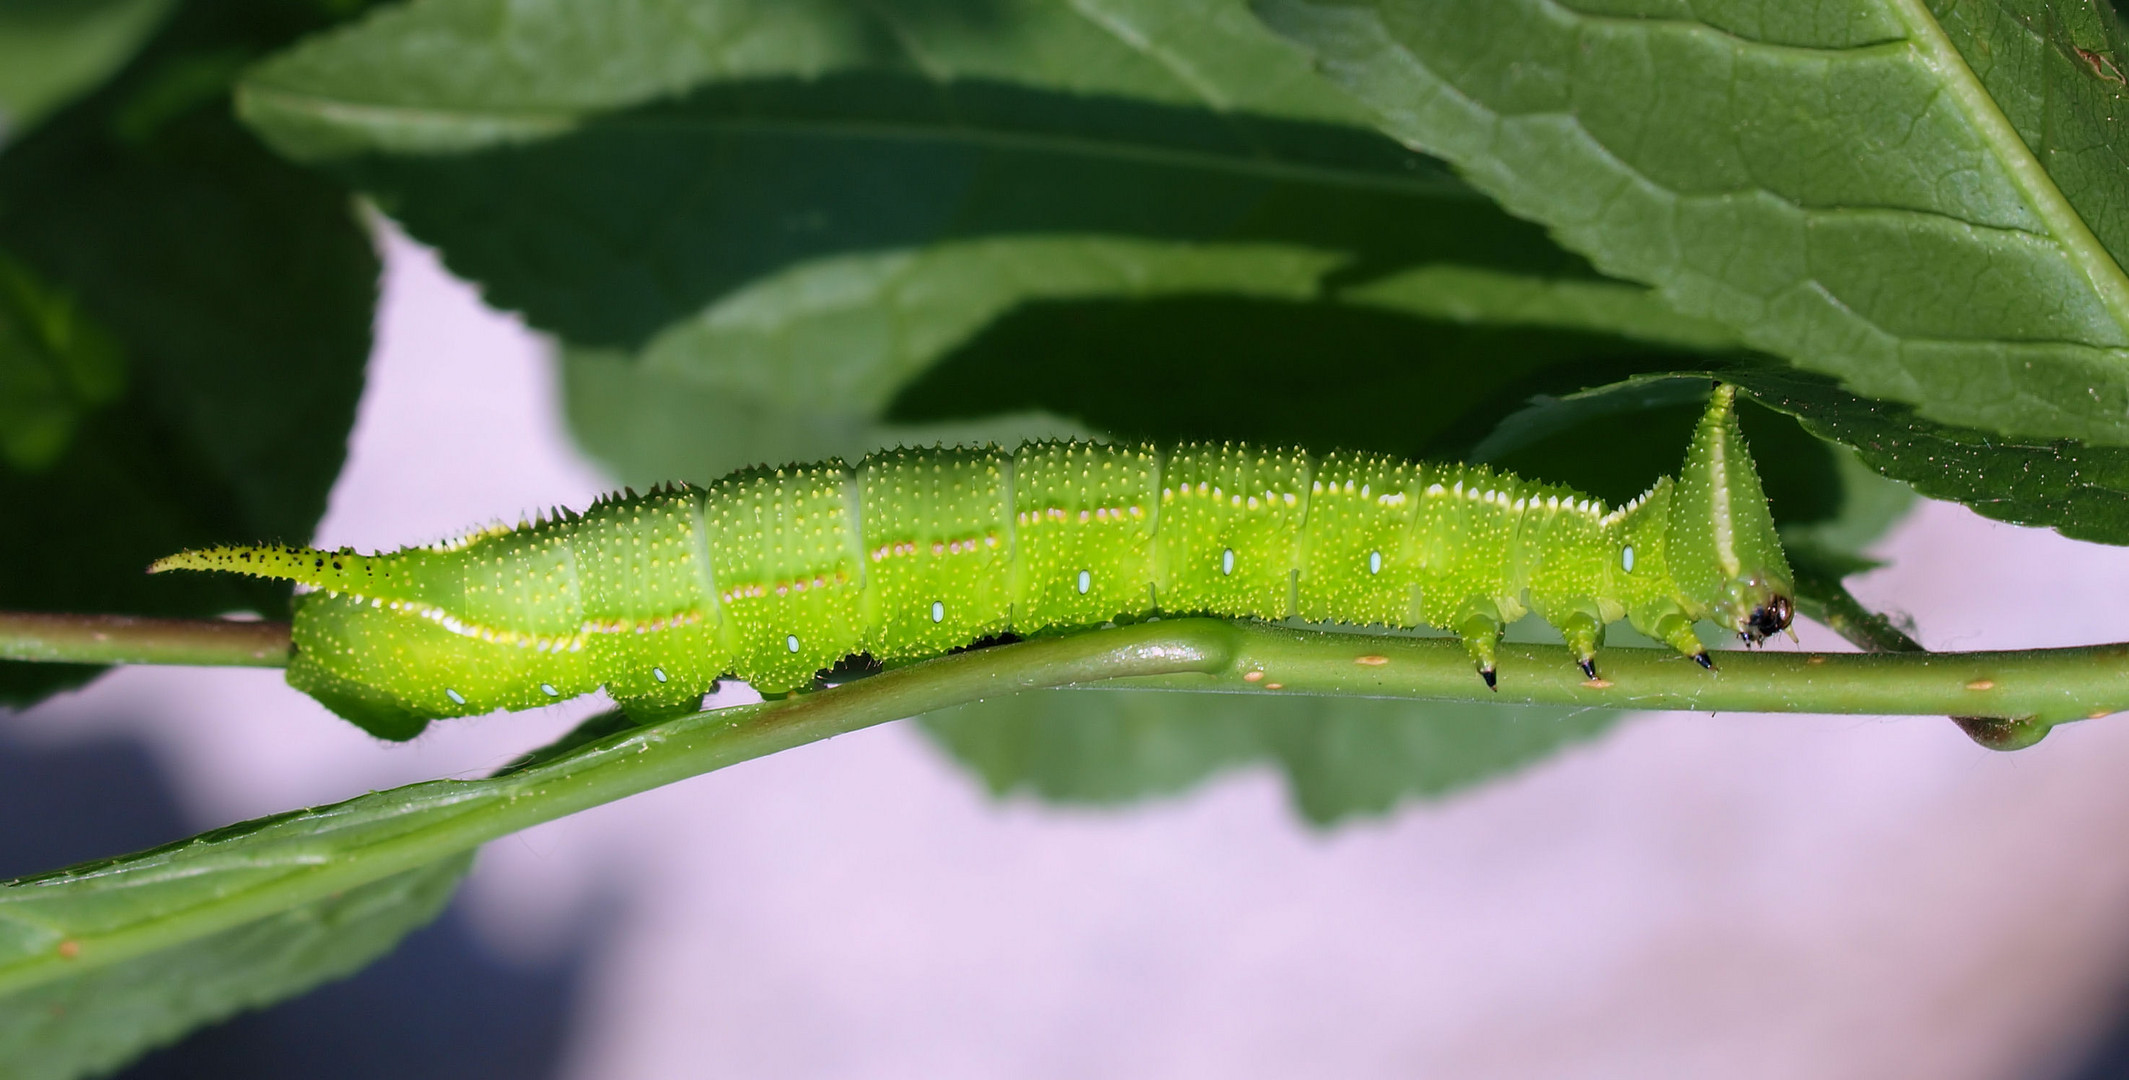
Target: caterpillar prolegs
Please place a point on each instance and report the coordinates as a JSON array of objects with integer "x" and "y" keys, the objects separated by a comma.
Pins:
[{"x": 774, "y": 574}]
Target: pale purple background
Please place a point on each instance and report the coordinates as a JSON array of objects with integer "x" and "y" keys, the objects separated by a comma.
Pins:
[{"x": 1693, "y": 895}]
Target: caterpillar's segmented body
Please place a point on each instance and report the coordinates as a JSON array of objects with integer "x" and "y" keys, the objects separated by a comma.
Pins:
[{"x": 774, "y": 574}]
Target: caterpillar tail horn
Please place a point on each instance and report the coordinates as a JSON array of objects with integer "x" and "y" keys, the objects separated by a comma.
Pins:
[{"x": 329, "y": 570}]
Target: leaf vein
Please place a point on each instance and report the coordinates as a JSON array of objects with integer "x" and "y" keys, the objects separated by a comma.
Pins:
[{"x": 1695, "y": 26}]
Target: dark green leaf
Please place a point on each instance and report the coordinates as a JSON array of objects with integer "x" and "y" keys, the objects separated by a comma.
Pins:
[
  {"x": 237, "y": 288},
  {"x": 2081, "y": 491},
  {"x": 621, "y": 178},
  {"x": 1341, "y": 757},
  {"x": 1170, "y": 369},
  {"x": 56, "y": 366},
  {"x": 1024, "y": 337},
  {"x": 1837, "y": 182},
  {"x": 1320, "y": 375},
  {"x": 456, "y": 75},
  {"x": 638, "y": 220},
  {"x": 647, "y": 426},
  {"x": 807, "y": 222}
]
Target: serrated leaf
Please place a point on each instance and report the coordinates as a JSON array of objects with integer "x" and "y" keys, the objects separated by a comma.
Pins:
[
  {"x": 811, "y": 222},
  {"x": 1341, "y": 757},
  {"x": 2081, "y": 491},
  {"x": 459, "y": 75},
  {"x": 107, "y": 1015},
  {"x": 1925, "y": 201}
]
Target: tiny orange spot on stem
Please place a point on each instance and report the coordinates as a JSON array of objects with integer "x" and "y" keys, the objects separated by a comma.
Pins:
[
  {"x": 1981, "y": 684},
  {"x": 1371, "y": 661},
  {"x": 1272, "y": 686},
  {"x": 69, "y": 949},
  {"x": 1599, "y": 684},
  {"x": 1254, "y": 676},
  {"x": 1814, "y": 660},
  {"x": 2102, "y": 714}
]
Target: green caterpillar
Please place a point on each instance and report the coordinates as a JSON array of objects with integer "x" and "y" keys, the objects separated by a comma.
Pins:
[{"x": 774, "y": 574}]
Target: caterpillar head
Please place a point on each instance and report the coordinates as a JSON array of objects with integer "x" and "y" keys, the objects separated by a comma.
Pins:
[
  {"x": 1768, "y": 619},
  {"x": 1724, "y": 552}
]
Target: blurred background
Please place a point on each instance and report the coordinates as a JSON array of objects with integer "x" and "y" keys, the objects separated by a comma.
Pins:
[{"x": 1683, "y": 895}]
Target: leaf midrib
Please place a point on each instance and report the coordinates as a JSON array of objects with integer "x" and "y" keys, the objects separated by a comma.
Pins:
[
  {"x": 549, "y": 123},
  {"x": 2065, "y": 225}
]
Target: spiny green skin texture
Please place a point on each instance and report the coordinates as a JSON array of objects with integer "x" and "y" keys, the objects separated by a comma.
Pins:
[{"x": 772, "y": 575}]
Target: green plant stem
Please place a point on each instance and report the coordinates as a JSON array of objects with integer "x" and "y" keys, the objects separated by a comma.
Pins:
[
  {"x": 95, "y": 914},
  {"x": 1822, "y": 598},
  {"x": 2045, "y": 685},
  {"x": 125, "y": 639}
]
